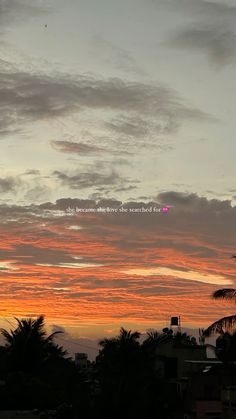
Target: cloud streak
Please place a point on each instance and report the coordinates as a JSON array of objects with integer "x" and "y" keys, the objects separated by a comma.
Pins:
[
  {"x": 189, "y": 275},
  {"x": 217, "y": 43},
  {"x": 76, "y": 148},
  {"x": 26, "y": 97},
  {"x": 91, "y": 179}
]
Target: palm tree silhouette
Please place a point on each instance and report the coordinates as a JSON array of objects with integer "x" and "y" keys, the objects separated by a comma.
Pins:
[
  {"x": 155, "y": 338},
  {"x": 120, "y": 367},
  {"x": 28, "y": 346},
  {"x": 225, "y": 324}
]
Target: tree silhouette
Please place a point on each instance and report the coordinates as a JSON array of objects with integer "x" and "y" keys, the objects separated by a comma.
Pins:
[
  {"x": 122, "y": 373},
  {"x": 28, "y": 346},
  {"x": 182, "y": 338},
  {"x": 225, "y": 324},
  {"x": 226, "y": 347},
  {"x": 155, "y": 339}
]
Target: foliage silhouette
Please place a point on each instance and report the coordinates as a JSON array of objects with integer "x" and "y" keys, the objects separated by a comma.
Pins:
[
  {"x": 225, "y": 324},
  {"x": 28, "y": 346},
  {"x": 127, "y": 377},
  {"x": 225, "y": 328},
  {"x": 37, "y": 374}
]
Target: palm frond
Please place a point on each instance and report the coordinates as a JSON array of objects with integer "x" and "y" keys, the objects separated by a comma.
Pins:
[
  {"x": 225, "y": 294},
  {"x": 226, "y": 324},
  {"x": 39, "y": 323},
  {"x": 19, "y": 322},
  {"x": 8, "y": 336},
  {"x": 153, "y": 334},
  {"x": 107, "y": 342},
  {"x": 51, "y": 337},
  {"x": 128, "y": 335}
]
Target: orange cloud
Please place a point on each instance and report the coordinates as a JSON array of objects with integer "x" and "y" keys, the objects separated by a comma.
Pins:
[{"x": 116, "y": 269}]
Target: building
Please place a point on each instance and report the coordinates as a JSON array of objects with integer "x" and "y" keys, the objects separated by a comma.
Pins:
[{"x": 172, "y": 357}]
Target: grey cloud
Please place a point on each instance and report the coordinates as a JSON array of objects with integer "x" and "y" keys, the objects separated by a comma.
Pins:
[
  {"x": 125, "y": 188},
  {"x": 178, "y": 198},
  {"x": 112, "y": 203},
  {"x": 89, "y": 179},
  {"x": 28, "y": 184},
  {"x": 141, "y": 128},
  {"x": 32, "y": 172},
  {"x": 209, "y": 8},
  {"x": 78, "y": 148},
  {"x": 12, "y": 11},
  {"x": 63, "y": 203},
  {"x": 29, "y": 96},
  {"x": 29, "y": 254},
  {"x": 9, "y": 184},
  {"x": 194, "y": 218},
  {"x": 133, "y": 126},
  {"x": 34, "y": 97},
  {"x": 86, "y": 180},
  {"x": 192, "y": 202},
  {"x": 217, "y": 43},
  {"x": 38, "y": 192}
]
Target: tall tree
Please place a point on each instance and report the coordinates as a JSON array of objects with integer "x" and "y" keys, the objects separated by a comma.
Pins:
[
  {"x": 225, "y": 324},
  {"x": 120, "y": 365},
  {"x": 28, "y": 346},
  {"x": 225, "y": 328}
]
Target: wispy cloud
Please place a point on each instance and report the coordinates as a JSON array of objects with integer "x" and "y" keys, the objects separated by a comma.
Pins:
[
  {"x": 91, "y": 179},
  {"x": 189, "y": 275},
  {"x": 77, "y": 147},
  {"x": 12, "y": 11},
  {"x": 217, "y": 43},
  {"x": 9, "y": 184},
  {"x": 113, "y": 54},
  {"x": 26, "y": 97}
]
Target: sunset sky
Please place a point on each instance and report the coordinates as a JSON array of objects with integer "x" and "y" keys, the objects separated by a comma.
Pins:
[{"x": 126, "y": 105}]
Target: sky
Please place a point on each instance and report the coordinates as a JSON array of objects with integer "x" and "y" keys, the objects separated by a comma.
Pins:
[{"x": 109, "y": 112}]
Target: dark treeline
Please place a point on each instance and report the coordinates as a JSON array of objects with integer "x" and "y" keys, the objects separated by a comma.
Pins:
[
  {"x": 37, "y": 373},
  {"x": 127, "y": 378}
]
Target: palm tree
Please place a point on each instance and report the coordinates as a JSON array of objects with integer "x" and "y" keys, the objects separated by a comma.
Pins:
[
  {"x": 28, "y": 347},
  {"x": 225, "y": 324},
  {"x": 120, "y": 365},
  {"x": 128, "y": 336},
  {"x": 117, "y": 354},
  {"x": 155, "y": 339},
  {"x": 226, "y": 347},
  {"x": 226, "y": 329}
]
